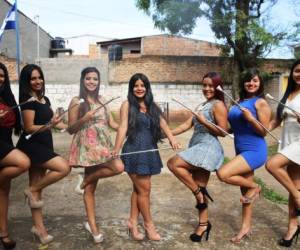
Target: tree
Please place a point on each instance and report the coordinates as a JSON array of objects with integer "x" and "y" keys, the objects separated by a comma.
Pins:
[{"x": 240, "y": 25}]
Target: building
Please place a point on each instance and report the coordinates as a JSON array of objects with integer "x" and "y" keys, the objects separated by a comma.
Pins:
[{"x": 28, "y": 37}]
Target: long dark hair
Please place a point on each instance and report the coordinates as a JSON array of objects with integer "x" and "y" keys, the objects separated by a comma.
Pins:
[
  {"x": 24, "y": 82},
  {"x": 246, "y": 76},
  {"x": 9, "y": 99},
  {"x": 153, "y": 110},
  {"x": 217, "y": 81},
  {"x": 83, "y": 93},
  {"x": 291, "y": 86}
]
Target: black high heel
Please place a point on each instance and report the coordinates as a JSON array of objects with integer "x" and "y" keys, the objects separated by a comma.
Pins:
[
  {"x": 10, "y": 244},
  {"x": 196, "y": 237},
  {"x": 287, "y": 243},
  {"x": 203, "y": 190}
]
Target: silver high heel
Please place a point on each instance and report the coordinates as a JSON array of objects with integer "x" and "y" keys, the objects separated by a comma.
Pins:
[
  {"x": 97, "y": 238},
  {"x": 43, "y": 239}
]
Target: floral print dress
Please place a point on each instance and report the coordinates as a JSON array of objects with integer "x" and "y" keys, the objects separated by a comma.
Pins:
[{"x": 92, "y": 144}]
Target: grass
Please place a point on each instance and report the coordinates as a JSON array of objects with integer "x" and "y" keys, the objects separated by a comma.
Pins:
[{"x": 270, "y": 194}]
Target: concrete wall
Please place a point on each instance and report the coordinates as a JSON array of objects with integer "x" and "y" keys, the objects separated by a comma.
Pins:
[{"x": 28, "y": 38}]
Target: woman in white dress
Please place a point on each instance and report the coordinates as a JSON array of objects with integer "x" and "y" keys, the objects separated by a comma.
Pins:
[{"x": 285, "y": 165}]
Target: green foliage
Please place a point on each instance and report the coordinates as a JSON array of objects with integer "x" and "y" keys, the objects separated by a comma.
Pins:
[{"x": 270, "y": 194}]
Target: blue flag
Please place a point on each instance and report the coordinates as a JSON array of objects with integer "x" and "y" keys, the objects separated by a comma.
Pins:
[{"x": 9, "y": 21}]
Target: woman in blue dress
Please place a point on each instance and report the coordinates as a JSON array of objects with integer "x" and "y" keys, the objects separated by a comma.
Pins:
[
  {"x": 142, "y": 122},
  {"x": 205, "y": 153},
  {"x": 250, "y": 145}
]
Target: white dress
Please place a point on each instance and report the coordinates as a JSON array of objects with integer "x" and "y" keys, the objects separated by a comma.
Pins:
[{"x": 290, "y": 138}]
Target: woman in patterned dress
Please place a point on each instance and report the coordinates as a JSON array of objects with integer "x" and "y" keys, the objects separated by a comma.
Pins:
[{"x": 91, "y": 145}]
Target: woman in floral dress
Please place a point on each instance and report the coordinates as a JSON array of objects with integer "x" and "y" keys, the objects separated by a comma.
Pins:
[{"x": 91, "y": 144}]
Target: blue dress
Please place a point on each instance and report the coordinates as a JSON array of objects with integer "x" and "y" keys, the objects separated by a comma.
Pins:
[
  {"x": 249, "y": 144},
  {"x": 145, "y": 163},
  {"x": 204, "y": 149}
]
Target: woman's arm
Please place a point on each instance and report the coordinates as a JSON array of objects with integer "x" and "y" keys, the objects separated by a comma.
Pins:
[
  {"x": 220, "y": 115},
  {"x": 164, "y": 126},
  {"x": 122, "y": 130},
  {"x": 263, "y": 115},
  {"x": 112, "y": 123},
  {"x": 74, "y": 124},
  {"x": 183, "y": 127}
]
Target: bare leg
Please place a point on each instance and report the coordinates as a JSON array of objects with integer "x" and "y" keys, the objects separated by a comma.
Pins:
[
  {"x": 134, "y": 215},
  {"x": 58, "y": 167},
  {"x": 35, "y": 175},
  {"x": 143, "y": 188},
  {"x": 15, "y": 163},
  {"x": 294, "y": 173},
  {"x": 235, "y": 173},
  {"x": 89, "y": 201},
  {"x": 276, "y": 166},
  {"x": 105, "y": 170},
  {"x": 4, "y": 194},
  {"x": 201, "y": 177},
  {"x": 181, "y": 170},
  {"x": 247, "y": 210}
]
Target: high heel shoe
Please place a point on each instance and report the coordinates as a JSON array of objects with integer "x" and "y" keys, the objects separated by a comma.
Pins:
[
  {"x": 196, "y": 237},
  {"x": 151, "y": 233},
  {"x": 97, "y": 238},
  {"x": 32, "y": 202},
  {"x": 7, "y": 243},
  {"x": 287, "y": 243},
  {"x": 133, "y": 231},
  {"x": 237, "y": 240},
  {"x": 252, "y": 198},
  {"x": 203, "y": 190},
  {"x": 43, "y": 239}
]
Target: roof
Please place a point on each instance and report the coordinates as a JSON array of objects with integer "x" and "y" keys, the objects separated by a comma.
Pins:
[{"x": 138, "y": 39}]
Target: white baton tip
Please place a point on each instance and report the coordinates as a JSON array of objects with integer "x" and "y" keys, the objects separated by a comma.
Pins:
[
  {"x": 269, "y": 96},
  {"x": 279, "y": 141},
  {"x": 81, "y": 100},
  {"x": 219, "y": 88},
  {"x": 27, "y": 137},
  {"x": 63, "y": 130},
  {"x": 231, "y": 136}
]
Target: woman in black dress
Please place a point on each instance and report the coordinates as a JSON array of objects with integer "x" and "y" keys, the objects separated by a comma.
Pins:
[
  {"x": 12, "y": 161},
  {"x": 39, "y": 147},
  {"x": 143, "y": 123}
]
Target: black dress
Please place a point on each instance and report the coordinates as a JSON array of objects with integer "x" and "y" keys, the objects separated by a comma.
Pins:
[
  {"x": 6, "y": 143},
  {"x": 39, "y": 148},
  {"x": 144, "y": 163}
]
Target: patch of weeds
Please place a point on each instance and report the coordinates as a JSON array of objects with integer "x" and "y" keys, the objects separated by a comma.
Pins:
[
  {"x": 272, "y": 149},
  {"x": 269, "y": 193}
]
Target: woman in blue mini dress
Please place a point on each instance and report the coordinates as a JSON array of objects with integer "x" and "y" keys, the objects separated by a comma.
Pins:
[
  {"x": 250, "y": 145},
  {"x": 205, "y": 153},
  {"x": 142, "y": 122}
]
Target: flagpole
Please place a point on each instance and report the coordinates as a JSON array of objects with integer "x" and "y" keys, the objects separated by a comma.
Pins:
[{"x": 17, "y": 41}]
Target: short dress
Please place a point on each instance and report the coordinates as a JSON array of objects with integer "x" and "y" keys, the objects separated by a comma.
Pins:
[
  {"x": 249, "y": 144},
  {"x": 290, "y": 137},
  {"x": 204, "y": 150},
  {"x": 145, "y": 163},
  {"x": 6, "y": 128},
  {"x": 92, "y": 144},
  {"x": 39, "y": 148}
]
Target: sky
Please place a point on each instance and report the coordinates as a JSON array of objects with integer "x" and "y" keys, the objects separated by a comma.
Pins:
[{"x": 81, "y": 22}]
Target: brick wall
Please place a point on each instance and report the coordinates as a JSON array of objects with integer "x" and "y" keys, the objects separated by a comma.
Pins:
[{"x": 168, "y": 45}]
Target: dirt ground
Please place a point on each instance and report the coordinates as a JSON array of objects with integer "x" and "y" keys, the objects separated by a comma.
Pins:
[{"x": 172, "y": 208}]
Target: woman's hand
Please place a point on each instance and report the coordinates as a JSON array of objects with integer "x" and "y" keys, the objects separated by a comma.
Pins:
[
  {"x": 247, "y": 114},
  {"x": 298, "y": 117},
  {"x": 114, "y": 153},
  {"x": 174, "y": 144}
]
